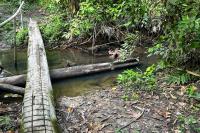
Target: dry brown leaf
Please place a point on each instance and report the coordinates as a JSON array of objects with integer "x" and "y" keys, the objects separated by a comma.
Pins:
[
  {"x": 69, "y": 109},
  {"x": 114, "y": 88},
  {"x": 164, "y": 114},
  {"x": 172, "y": 96},
  {"x": 182, "y": 104},
  {"x": 183, "y": 90},
  {"x": 10, "y": 131},
  {"x": 134, "y": 114},
  {"x": 3, "y": 110}
]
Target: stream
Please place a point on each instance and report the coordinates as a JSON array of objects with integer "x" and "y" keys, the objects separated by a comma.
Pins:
[{"x": 59, "y": 59}]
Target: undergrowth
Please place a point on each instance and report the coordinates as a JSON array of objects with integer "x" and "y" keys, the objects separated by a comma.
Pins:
[
  {"x": 133, "y": 81},
  {"x": 188, "y": 124},
  {"x": 5, "y": 123}
]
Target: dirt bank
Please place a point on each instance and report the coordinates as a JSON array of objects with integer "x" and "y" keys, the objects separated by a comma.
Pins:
[
  {"x": 10, "y": 113},
  {"x": 105, "y": 111}
]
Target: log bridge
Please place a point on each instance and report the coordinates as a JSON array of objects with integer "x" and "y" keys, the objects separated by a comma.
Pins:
[{"x": 38, "y": 113}]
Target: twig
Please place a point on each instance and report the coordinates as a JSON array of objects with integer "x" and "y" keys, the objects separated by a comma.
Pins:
[
  {"x": 189, "y": 72},
  {"x": 102, "y": 45},
  {"x": 94, "y": 38},
  {"x": 105, "y": 119},
  {"x": 90, "y": 38},
  {"x": 193, "y": 73},
  {"x": 86, "y": 41},
  {"x": 8, "y": 72},
  {"x": 13, "y": 16},
  {"x": 133, "y": 120}
]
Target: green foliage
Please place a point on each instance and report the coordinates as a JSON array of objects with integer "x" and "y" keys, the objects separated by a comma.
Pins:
[
  {"x": 5, "y": 122},
  {"x": 179, "y": 45},
  {"x": 179, "y": 78},
  {"x": 128, "y": 47},
  {"x": 52, "y": 31},
  {"x": 192, "y": 92},
  {"x": 188, "y": 124},
  {"x": 157, "y": 49},
  {"x": 137, "y": 80},
  {"x": 85, "y": 19},
  {"x": 22, "y": 36}
]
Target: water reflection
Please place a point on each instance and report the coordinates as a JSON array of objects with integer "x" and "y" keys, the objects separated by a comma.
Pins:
[
  {"x": 81, "y": 85},
  {"x": 56, "y": 59}
]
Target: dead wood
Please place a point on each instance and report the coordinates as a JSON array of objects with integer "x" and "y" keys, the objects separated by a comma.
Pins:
[
  {"x": 74, "y": 71},
  {"x": 11, "y": 89}
]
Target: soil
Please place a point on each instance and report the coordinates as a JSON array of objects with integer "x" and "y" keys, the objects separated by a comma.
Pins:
[
  {"x": 105, "y": 111},
  {"x": 10, "y": 113}
]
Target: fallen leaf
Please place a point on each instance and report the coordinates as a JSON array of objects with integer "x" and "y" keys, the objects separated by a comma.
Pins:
[
  {"x": 3, "y": 110},
  {"x": 69, "y": 109},
  {"x": 114, "y": 88},
  {"x": 182, "y": 104},
  {"x": 164, "y": 114},
  {"x": 172, "y": 96},
  {"x": 134, "y": 114},
  {"x": 182, "y": 91}
]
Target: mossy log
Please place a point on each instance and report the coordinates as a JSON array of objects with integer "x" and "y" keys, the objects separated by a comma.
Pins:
[{"x": 38, "y": 113}]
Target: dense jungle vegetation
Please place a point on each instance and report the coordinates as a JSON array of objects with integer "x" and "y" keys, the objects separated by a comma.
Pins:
[{"x": 168, "y": 29}]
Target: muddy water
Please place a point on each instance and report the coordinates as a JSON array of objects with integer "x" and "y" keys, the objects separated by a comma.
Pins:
[{"x": 58, "y": 59}]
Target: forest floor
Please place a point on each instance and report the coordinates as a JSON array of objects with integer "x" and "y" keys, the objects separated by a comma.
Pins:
[
  {"x": 10, "y": 113},
  {"x": 166, "y": 110}
]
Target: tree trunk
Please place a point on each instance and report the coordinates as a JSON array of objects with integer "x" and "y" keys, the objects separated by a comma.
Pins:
[
  {"x": 74, "y": 71},
  {"x": 38, "y": 110}
]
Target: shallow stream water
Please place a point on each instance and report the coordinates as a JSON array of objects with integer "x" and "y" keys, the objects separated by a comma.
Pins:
[{"x": 59, "y": 59}]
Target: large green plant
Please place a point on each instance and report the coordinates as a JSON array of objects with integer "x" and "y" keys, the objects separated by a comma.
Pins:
[
  {"x": 180, "y": 42},
  {"x": 137, "y": 80}
]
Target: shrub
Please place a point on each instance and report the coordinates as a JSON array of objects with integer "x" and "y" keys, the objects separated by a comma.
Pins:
[
  {"x": 52, "y": 31},
  {"x": 22, "y": 37},
  {"x": 137, "y": 80}
]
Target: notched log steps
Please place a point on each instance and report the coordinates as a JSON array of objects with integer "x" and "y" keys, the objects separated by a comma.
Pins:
[{"x": 38, "y": 110}]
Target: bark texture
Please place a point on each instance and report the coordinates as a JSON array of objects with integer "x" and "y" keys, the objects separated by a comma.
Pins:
[{"x": 38, "y": 110}]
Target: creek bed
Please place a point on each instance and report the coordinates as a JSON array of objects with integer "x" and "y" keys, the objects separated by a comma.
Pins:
[{"x": 79, "y": 86}]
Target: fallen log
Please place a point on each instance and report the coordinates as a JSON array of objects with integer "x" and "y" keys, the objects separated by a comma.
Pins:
[
  {"x": 38, "y": 112},
  {"x": 62, "y": 73},
  {"x": 18, "y": 80},
  {"x": 11, "y": 89},
  {"x": 102, "y": 47}
]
